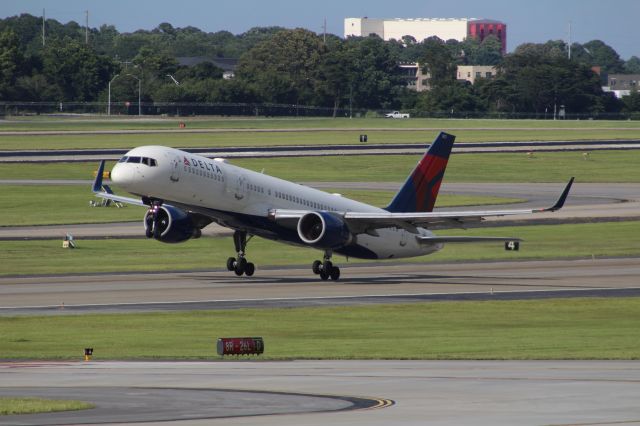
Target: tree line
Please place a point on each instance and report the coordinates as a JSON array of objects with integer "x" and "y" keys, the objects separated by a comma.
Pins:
[{"x": 299, "y": 67}]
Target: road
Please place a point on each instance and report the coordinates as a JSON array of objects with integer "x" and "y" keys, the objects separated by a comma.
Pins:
[
  {"x": 443, "y": 393},
  {"x": 417, "y": 148}
]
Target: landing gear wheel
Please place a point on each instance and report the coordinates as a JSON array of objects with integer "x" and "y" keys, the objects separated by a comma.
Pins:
[
  {"x": 315, "y": 267},
  {"x": 231, "y": 263},
  {"x": 249, "y": 269},
  {"x": 324, "y": 275},
  {"x": 327, "y": 266},
  {"x": 148, "y": 233},
  {"x": 334, "y": 273},
  {"x": 240, "y": 265}
]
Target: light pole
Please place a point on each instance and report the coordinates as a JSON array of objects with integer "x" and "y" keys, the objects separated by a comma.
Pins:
[
  {"x": 109, "y": 101},
  {"x": 177, "y": 83},
  {"x": 139, "y": 92}
]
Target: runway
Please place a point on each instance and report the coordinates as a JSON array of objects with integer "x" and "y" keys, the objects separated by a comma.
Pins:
[
  {"x": 295, "y": 287},
  {"x": 424, "y": 392}
]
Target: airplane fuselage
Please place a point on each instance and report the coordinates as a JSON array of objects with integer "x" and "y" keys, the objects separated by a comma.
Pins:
[{"x": 242, "y": 199}]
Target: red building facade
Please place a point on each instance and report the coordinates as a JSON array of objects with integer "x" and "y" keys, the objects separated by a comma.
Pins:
[{"x": 481, "y": 29}]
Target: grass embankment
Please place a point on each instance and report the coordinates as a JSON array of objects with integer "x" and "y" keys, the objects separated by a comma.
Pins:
[
  {"x": 258, "y": 139},
  {"x": 541, "y": 329},
  {"x": 540, "y": 242},
  {"x": 602, "y": 166},
  {"x": 31, "y": 405},
  {"x": 70, "y": 204}
]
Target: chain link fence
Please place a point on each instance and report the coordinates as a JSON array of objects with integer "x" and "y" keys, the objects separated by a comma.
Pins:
[{"x": 269, "y": 110}]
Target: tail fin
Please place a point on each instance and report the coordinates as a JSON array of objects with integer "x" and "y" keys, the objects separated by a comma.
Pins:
[{"x": 419, "y": 192}]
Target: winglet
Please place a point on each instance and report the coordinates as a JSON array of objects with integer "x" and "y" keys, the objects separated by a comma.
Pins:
[
  {"x": 97, "y": 184},
  {"x": 563, "y": 197}
]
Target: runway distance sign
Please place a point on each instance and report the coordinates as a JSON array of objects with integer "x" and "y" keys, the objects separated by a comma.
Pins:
[{"x": 240, "y": 346}]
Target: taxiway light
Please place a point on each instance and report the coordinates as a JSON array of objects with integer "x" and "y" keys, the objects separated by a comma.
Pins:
[
  {"x": 240, "y": 346},
  {"x": 88, "y": 353}
]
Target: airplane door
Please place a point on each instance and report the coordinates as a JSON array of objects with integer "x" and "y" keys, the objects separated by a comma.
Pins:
[
  {"x": 176, "y": 165},
  {"x": 237, "y": 185}
]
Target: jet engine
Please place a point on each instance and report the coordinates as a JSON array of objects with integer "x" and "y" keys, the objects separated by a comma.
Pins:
[
  {"x": 324, "y": 230},
  {"x": 169, "y": 225}
]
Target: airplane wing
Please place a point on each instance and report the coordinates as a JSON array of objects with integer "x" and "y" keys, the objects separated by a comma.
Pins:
[{"x": 367, "y": 222}]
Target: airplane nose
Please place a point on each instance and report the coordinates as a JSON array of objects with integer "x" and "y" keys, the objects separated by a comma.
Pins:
[{"x": 121, "y": 175}]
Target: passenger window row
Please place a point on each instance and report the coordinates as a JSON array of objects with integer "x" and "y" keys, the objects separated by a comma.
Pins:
[{"x": 302, "y": 201}]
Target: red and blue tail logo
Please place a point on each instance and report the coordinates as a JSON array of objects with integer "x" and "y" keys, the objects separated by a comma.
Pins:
[{"x": 420, "y": 191}]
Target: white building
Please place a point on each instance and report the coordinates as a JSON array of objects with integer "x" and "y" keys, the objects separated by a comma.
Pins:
[{"x": 421, "y": 28}]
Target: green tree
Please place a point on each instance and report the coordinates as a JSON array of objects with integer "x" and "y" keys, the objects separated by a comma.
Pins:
[
  {"x": 76, "y": 70},
  {"x": 632, "y": 101},
  {"x": 11, "y": 60},
  {"x": 373, "y": 73},
  {"x": 539, "y": 78},
  {"x": 437, "y": 60},
  {"x": 632, "y": 66},
  {"x": 282, "y": 68}
]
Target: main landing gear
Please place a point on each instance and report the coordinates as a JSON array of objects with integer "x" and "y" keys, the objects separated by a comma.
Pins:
[
  {"x": 325, "y": 268},
  {"x": 240, "y": 265}
]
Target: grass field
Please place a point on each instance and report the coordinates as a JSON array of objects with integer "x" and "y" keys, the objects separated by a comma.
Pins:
[
  {"x": 235, "y": 139},
  {"x": 540, "y": 242},
  {"x": 308, "y": 132},
  {"x": 540, "y": 329},
  {"x": 30, "y": 405},
  {"x": 68, "y": 204},
  {"x": 602, "y": 166}
]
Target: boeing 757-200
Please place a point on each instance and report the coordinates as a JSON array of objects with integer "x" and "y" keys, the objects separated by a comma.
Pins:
[{"x": 185, "y": 192}]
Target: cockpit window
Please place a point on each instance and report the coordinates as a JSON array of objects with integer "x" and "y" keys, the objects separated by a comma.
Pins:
[
  {"x": 123, "y": 159},
  {"x": 133, "y": 160},
  {"x": 149, "y": 161}
]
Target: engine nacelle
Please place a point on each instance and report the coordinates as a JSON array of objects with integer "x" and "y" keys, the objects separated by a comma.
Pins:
[
  {"x": 324, "y": 230},
  {"x": 172, "y": 225}
]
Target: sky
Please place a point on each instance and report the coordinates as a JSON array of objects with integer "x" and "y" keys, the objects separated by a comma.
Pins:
[{"x": 612, "y": 21}]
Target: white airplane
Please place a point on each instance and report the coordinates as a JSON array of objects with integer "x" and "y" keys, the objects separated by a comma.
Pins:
[{"x": 185, "y": 192}]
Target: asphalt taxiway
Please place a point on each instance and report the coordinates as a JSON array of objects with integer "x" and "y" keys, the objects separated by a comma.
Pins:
[
  {"x": 295, "y": 286},
  {"x": 408, "y": 392}
]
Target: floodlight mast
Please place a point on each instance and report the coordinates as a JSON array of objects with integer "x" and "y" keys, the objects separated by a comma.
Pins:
[{"x": 139, "y": 93}]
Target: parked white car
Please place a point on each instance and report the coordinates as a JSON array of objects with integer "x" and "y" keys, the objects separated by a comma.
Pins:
[{"x": 396, "y": 114}]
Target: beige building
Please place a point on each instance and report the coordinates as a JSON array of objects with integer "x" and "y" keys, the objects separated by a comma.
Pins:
[
  {"x": 419, "y": 81},
  {"x": 472, "y": 72}
]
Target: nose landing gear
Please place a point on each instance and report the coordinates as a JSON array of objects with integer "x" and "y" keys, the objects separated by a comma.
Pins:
[
  {"x": 240, "y": 265},
  {"x": 325, "y": 268}
]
